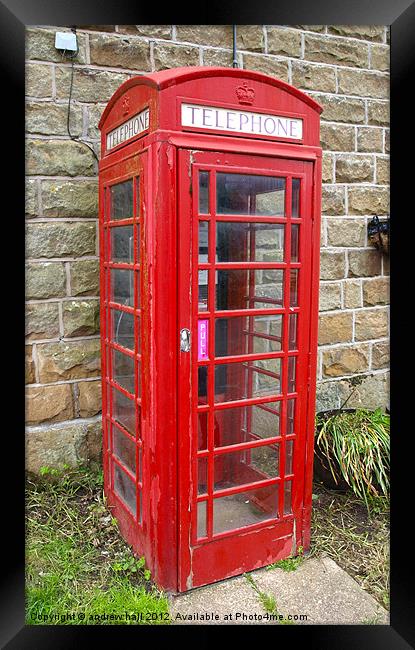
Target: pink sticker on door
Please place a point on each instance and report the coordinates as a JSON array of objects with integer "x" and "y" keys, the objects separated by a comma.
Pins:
[{"x": 202, "y": 340}]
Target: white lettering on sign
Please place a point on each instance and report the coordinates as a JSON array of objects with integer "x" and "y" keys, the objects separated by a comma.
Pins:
[
  {"x": 135, "y": 125},
  {"x": 224, "y": 119}
]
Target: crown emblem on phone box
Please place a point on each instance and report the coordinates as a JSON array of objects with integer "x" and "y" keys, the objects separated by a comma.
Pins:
[{"x": 245, "y": 94}]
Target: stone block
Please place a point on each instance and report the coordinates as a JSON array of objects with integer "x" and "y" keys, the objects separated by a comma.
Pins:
[
  {"x": 89, "y": 84},
  {"x": 352, "y": 294},
  {"x": 150, "y": 31},
  {"x": 332, "y": 265},
  {"x": 382, "y": 171},
  {"x": 364, "y": 84},
  {"x": 70, "y": 198},
  {"x": 58, "y": 158},
  {"x": 38, "y": 80},
  {"x": 45, "y": 280},
  {"x": 327, "y": 167},
  {"x": 49, "y": 403},
  {"x": 68, "y": 360},
  {"x": 368, "y": 200},
  {"x": 47, "y": 118},
  {"x": 250, "y": 37},
  {"x": 371, "y": 324},
  {"x": 364, "y": 263},
  {"x": 378, "y": 113},
  {"x": 84, "y": 278},
  {"x": 380, "y": 57},
  {"x": 60, "y": 239},
  {"x": 80, "y": 317},
  {"x": 213, "y": 35},
  {"x": 120, "y": 52},
  {"x": 29, "y": 365},
  {"x": 31, "y": 199},
  {"x": 354, "y": 169},
  {"x": 366, "y": 32},
  {"x": 335, "y": 327},
  {"x": 172, "y": 56},
  {"x": 346, "y": 232},
  {"x": 370, "y": 139},
  {"x": 342, "y": 109},
  {"x": 57, "y": 445},
  {"x": 333, "y": 200},
  {"x": 40, "y": 45},
  {"x": 380, "y": 355},
  {"x": 376, "y": 291},
  {"x": 267, "y": 65},
  {"x": 337, "y": 137},
  {"x": 42, "y": 321},
  {"x": 90, "y": 402},
  {"x": 338, "y": 362},
  {"x": 284, "y": 42},
  {"x": 313, "y": 77},
  {"x": 337, "y": 51},
  {"x": 330, "y": 296}
]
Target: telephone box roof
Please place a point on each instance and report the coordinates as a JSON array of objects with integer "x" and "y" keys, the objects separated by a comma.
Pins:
[{"x": 175, "y": 76}]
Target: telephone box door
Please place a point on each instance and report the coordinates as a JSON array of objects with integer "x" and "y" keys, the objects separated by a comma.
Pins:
[{"x": 244, "y": 297}]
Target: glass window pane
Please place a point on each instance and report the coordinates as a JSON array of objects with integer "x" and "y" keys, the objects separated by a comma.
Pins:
[
  {"x": 250, "y": 194},
  {"x": 246, "y": 424},
  {"x": 203, "y": 192},
  {"x": 290, "y": 416},
  {"x": 124, "y": 449},
  {"x": 249, "y": 242},
  {"x": 123, "y": 328},
  {"x": 125, "y": 488},
  {"x": 245, "y": 508},
  {"x": 289, "y": 452},
  {"x": 203, "y": 290},
  {"x": 202, "y": 425},
  {"x": 203, "y": 242},
  {"x": 249, "y": 289},
  {"x": 122, "y": 286},
  {"x": 201, "y": 518},
  {"x": 295, "y": 201},
  {"x": 123, "y": 411},
  {"x": 248, "y": 335},
  {"x": 122, "y": 244},
  {"x": 247, "y": 466},
  {"x": 235, "y": 381},
  {"x": 291, "y": 373},
  {"x": 202, "y": 384},
  {"x": 122, "y": 200},
  {"x": 287, "y": 497},
  {"x": 123, "y": 371},
  {"x": 295, "y": 229},
  {"x": 292, "y": 332},
  {"x": 294, "y": 288},
  {"x": 202, "y": 475}
]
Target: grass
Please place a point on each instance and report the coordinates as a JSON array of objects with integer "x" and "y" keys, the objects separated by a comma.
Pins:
[
  {"x": 357, "y": 444},
  {"x": 77, "y": 564},
  {"x": 289, "y": 564},
  {"x": 356, "y": 539}
]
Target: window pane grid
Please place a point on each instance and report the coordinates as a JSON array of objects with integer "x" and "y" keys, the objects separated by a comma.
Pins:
[
  {"x": 257, "y": 305},
  {"x": 122, "y": 243}
]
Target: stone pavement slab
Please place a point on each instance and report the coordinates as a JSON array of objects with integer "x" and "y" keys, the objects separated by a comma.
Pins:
[{"x": 318, "y": 589}]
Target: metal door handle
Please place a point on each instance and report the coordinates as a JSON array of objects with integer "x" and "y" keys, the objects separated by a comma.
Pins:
[{"x": 185, "y": 340}]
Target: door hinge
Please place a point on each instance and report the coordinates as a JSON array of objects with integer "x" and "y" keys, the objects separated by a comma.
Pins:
[{"x": 191, "y": 187}]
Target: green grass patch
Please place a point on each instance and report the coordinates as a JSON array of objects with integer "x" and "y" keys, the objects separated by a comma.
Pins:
[
  {"x": 79, "y": 571},
  {"x": 289, "y": 563}
]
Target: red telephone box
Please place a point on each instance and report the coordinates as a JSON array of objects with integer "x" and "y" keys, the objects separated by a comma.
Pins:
[{"x": 209, "y": 236}]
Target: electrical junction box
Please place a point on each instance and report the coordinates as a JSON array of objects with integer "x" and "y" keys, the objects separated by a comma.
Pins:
[{"x": 66, "y": 41}]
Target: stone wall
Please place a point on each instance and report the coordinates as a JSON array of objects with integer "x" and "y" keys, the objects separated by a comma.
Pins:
[{"x": 345, "y": 68}]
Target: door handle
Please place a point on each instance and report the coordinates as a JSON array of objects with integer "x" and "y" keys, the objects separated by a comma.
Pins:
[{"x": 184, "y": 340}]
